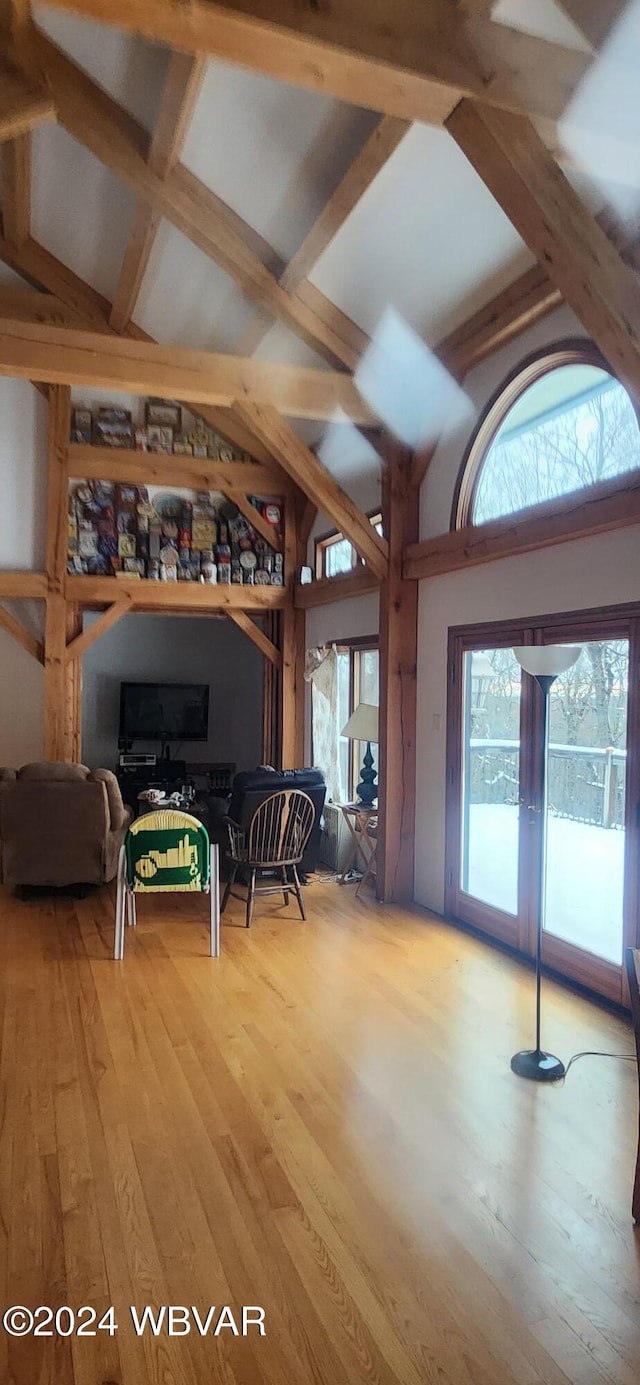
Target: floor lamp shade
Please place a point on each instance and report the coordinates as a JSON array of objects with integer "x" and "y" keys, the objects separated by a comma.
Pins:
[
  {"x": 546, "y": 660},
  {"x": 363, "y": 726},
  {"x": 544, "y": 663}
]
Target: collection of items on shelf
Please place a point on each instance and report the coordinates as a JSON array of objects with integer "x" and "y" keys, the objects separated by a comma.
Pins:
[{"x": 124, "y": 530}]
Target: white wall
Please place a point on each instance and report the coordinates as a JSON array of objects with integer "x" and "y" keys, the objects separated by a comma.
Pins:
[
  {"x": 179, "y": 649},
  {"x": 23, "y": 465},
  {"x": 597, "y": 571}
]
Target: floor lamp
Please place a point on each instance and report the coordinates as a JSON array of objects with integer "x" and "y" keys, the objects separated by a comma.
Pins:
[{"x": 544, "y": 663}]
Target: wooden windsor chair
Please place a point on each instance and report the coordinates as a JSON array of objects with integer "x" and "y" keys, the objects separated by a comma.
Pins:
[{"x": 274, "y": 841}]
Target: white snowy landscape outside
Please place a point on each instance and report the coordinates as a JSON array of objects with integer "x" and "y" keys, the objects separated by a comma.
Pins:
[{"x": 585, "y": 875}]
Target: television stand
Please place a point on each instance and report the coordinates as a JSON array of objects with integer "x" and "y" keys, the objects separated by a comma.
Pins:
[{"x": 166, "y": 775}]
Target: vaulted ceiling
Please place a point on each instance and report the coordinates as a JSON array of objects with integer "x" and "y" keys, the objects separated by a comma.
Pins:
[{"x": 233, "y": 250}]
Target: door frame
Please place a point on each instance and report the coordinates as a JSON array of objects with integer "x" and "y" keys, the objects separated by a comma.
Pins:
[{"x": 606, "y": 622}]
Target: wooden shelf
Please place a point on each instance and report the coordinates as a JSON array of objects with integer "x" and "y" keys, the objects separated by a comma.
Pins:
[
  {"x": 173, "y": 596},
  {"x": 171, "y": 469}
]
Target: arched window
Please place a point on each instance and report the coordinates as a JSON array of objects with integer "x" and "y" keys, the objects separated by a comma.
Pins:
[{"x": 562, "y": 423}]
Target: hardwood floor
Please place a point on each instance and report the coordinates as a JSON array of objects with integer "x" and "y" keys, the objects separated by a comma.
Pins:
[{"x": 322, "y": 1123}]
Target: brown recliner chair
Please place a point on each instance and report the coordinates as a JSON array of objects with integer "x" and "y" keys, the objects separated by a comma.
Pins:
[{"x": 60, "y": 825}]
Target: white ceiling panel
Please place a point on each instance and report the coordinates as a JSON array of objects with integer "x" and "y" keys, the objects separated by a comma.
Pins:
[
  {"x": 272, "y": 152},
  {"x": 187, "y": 300},
  {"x": 130, "y": 69},
  {"x": 80, "y": 211},
  {"x": 427, "y": 239}
]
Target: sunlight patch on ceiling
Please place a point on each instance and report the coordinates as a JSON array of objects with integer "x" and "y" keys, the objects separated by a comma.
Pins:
[
  {"x": 601, "y": 125},
  {"x": 408, "y": 387}
]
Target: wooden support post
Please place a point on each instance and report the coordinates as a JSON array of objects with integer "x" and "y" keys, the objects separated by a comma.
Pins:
[
  {"x": 60, "y": 730},
  {"x": 73, "y": 687},
  {"x": 293, "y": 630},
  {"x": 398, "y": 654}
]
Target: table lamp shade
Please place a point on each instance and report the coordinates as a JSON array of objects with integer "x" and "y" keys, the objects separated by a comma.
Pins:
[{"x": 362, "y": 724}]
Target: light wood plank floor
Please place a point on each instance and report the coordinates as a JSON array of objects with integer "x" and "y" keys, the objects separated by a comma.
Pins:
[{"x": 322, "y": 1123}]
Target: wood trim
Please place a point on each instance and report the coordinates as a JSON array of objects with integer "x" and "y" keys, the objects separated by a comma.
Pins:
[
  {"x": 84, "y": 640},
  {"x": 579, "y": 258},
  {"x": 329, "y": 589},
  {"x": 158, "y": 469},
  {"x": 405, "y": 60},
  {"x": 148, "y": 595},
  {"x": 317, "y": 483},
  {"x": 18, "y": 632},
  {"x": 612, "y": 505},
  {"x": 65, "y": 355},
  {"x": 261, "y": 641},
  {"x": 22, "y": 585},
  {"x": 517, "y": 308}
]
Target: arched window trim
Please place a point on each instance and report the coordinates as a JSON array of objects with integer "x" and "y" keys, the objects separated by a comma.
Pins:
[{"x": 574, "y": 351}]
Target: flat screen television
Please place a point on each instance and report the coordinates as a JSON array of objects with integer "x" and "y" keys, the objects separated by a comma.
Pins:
[{"x": 164, "y": 711}]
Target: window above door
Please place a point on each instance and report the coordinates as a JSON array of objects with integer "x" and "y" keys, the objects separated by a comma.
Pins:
[{"x": 562, "y": 423}]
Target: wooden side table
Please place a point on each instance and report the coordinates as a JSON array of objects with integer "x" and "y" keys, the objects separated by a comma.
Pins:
[{"x": 363, "y": 827}]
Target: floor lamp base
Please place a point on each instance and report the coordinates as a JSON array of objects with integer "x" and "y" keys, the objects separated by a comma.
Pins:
[{"x": 537, "y": 1066}]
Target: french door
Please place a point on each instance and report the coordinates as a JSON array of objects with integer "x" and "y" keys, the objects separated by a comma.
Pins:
[{"x": 496, "y": 814}]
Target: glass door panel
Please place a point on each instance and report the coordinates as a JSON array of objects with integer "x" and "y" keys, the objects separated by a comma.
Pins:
[
  {"x": 586, "y": 801},
  {"x": 490, "y": 814}
]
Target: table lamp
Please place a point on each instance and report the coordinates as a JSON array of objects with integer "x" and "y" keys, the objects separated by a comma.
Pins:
[{"x": 363, "y": 726}]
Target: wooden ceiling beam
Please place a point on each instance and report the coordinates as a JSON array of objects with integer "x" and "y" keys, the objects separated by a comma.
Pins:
[
  {"x": 316, "y": 482},
  {"x": 21, "y": 635},
  {"x": 64, "y": 355},
  {"x": 262, "y": 641},
  {"x": 182, "y": 85},
  {"x": 23, "y": 105},
  {"x": 613, "y": 504},
  {"x": 16, "y": 188},
  {"x": 407, "y": 58},
  {"x": 115, "y": 138},
  {"x": 374, "y": 154},
  {"x": 579, "y": 258},
  {"x": 92, "y": 310}
]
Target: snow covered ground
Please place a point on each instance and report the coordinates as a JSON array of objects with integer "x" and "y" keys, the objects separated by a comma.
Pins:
[{"x": 585, "y": 873}]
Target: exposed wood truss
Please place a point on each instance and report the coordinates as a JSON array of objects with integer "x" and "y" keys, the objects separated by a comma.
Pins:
[
  {"x": 577, "y": 255},
  {"x": 318, "y": 483},
  {"x": 22, "y": 585},
  {"x": 23, "y": 105},
  {"x": 182, "y": 85},
  {"x": 58, "y": 355},
  {"x": 82, "y": 642},
  {"x": 261, "y": 641},
  {"x": 118, "y": 141},
  {"x": 401, "y": 58},
  {"x": 16, "y": 188},
  {"x": 18, "y": 632},
  {"x": 370, "y": 159}
]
